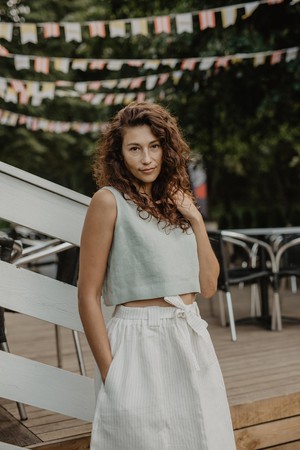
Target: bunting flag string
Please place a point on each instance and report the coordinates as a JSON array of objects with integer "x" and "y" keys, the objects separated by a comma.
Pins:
[
  {"x": 178, "y": 23},
  {"x": 44, "y": 64},
  {"x": 20, "y": 91},
  {"x": 12, "y": 119}
]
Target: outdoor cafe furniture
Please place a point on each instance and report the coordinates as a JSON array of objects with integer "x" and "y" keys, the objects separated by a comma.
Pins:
[
  {"x": 261, "y": 266},
  {"x": 251, "y": 270}
]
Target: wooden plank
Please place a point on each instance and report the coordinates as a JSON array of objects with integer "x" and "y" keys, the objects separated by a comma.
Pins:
[
  {"x": 77, "y": 443},
  {"x": 39, "y": 296},
  {"x": 46, "y": 387},
  {"x": 268, "y": 434},
  {"x": 265, "y": 410},
  {"x": 14, "y": 432},
  {"x": 289, "y": 446},
  {"x": 46, "y": 211}
]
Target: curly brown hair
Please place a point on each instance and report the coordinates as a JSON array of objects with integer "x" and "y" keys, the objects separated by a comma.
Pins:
[{"x": 110, "y": 170}]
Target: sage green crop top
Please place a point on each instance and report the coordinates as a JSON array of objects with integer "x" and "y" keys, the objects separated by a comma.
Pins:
[{"x": 147, "y": 261}]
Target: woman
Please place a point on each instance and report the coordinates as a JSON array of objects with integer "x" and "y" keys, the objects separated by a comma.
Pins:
[{"x": 145, "y": 250}]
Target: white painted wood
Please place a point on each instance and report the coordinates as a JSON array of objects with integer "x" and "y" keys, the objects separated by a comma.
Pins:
[
  {"x": 39, "y": 296},
  {"x": 46, "y": 387},
  {"x": 42, "y": 210},
  {"x": 4, "y": 446},
  {"x": 42, "y": 183}
]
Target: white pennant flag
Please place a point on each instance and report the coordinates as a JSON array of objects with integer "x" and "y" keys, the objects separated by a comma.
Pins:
[
  {"x": 229, "y": 15},
  {"x": 152, "y": 64},
  {"x": 48, "y": 90},
  {"x": 169, "y": 62},
  {"x": 115, "y": 64},
  {"x": 259, "y": 59},
  {"x": 139, "y": 26},
  {"x": 109, "y": 84},
  {"x": 117, "y": 28},
  {"x": 11, "y": 95},
  {"x": 80, "y": 87},
  {"x": 184, "y": 23},
  {"x": 206, "y": 63},
  {"x": 97, "y": 99},
  {"x": 124, "y": 83},
  {"x": 80, "y": 64},
  {"x": 6, "y": 30},
  {"x": 22, "y": 62},
  {"x": 73, "y": 32},
  {"x": 291, "y": 54},
  {"x": 119, "y": 99},
  {"x": 28, "y": 33},
  {"x": 249, "y": 9},
  {"x": 62, "y": 64},
  {"x": 151, "y": 81}
]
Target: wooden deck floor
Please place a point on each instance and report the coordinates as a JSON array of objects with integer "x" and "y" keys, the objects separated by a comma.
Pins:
[{"x": 261, "y": 372}]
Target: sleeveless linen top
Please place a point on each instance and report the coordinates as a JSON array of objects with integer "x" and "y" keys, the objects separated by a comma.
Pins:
[{"x": 147, "y": 261}]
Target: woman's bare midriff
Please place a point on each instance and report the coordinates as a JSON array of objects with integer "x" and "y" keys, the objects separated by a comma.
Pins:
[{"x": 188, "y": 299}]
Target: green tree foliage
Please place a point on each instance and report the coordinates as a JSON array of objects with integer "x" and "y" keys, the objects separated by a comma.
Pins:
[{"x": 243, "y": 120}]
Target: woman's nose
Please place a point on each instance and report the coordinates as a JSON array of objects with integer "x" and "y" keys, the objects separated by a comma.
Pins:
[{"x": 146, "y": 159}]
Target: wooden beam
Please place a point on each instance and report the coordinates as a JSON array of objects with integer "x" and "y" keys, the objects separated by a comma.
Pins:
[
  {"x": 46, "y": 387},
  {"x": 76, "y": 443}
]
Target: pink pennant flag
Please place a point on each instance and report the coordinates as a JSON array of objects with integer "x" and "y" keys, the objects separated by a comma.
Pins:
[
  {"x": 28, "y": 33},
  {"x": 73, "y": 32},
  {"x": 188, "y": 64},
  {"x": 109, "y": 99},
  {"x": 135, "y": 63},
  {"x": 97, "y": 64},
  {"x": 87, "y": 97},
  {"x": 6, "y": 31},
  {"x": 207, "y": 19},
  {"x": 276, "y": 57},
  {"x": 18, "y": 85},
  {"x": 162, "y": 24},
  {"x": 24, "y": 98},
  {"x": 97, "y": 29},
  {"x": 3, "y": 51},
  {"x": 136, "y": 82},
  {"x": 94, "y": 85},
  {"x": 51, "y": 30},
  {"x": 22, "y": 119},
  {"x": 41, "y": 64},
  {"x": 141, "y": 96},
  {"x": 222, "y": 61},
  {"x": 163, "y": 78}
]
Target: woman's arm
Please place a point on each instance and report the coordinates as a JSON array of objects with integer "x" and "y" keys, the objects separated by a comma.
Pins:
[
  {"x": 208, "y": 263},
  {"x": 96, "y": 240}
]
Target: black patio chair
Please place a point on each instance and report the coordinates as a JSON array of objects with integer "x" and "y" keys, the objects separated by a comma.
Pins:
[
  {"x": 287, "y": 262},
  {"x": 254, "y": 264}
]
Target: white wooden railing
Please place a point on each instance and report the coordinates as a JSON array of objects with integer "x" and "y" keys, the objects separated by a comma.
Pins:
[{"x": 58, "y": 212}]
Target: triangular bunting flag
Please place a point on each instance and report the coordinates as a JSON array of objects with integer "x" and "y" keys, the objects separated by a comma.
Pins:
[
  {"x": 51, "y": 30},
  {"x": 184, "y": 23},
  {"x": 72, "y": 32},
  {"x": 6, "y": 30},
  {"x": 162, "y": 24},
  {"x": 41, "y": 64},
  {"x": 139, "y": 26},
  {"x": 207, "y": 19},
  {"x": 22, "y": 62},
  {"x": 249, "y": 9},
  {"x": 97, "y": 29},
  {"x": 291, "y": 54},
  {"x": 28, "y": 33},
  {"x": 62, "y": 64},
  {"x": 229, "y": 15},
  {"x": 117, "y": 28}
]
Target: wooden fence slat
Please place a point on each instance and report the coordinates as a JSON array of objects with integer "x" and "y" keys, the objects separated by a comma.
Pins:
[
  {"x": 46, "y": 387},
  {"x": 40, "y": 209},
  {"x": 39, "y": 296}
]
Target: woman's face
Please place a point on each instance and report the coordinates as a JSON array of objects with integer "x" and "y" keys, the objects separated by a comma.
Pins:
[{"x": 142, "y": 154}]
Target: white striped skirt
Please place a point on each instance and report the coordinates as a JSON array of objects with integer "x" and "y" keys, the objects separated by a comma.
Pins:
[{"x": 164, "y": 388}]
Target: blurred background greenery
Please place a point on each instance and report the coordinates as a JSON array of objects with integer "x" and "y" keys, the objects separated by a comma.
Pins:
[{"x": 242, "y": 121}]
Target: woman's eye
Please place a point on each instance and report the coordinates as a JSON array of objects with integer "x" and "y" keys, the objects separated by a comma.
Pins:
[
  {"x": 156, "y": 146},
  {"x": 134, "y": 149}
]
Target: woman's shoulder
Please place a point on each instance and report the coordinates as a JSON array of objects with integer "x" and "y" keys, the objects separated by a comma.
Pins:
[{"x": 104, "y": 198}]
